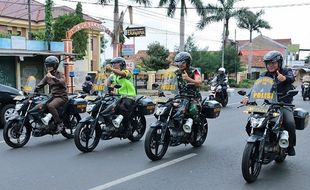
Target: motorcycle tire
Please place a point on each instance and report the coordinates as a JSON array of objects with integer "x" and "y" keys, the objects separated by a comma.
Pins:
[
  {"x": 138, "y": 124},
  {"x": 281, "y": 157},
  {"x": 200, "y": 134},
  {"x": 70, "y": 124},
  {"x": 152, "y": 142},
  {"x": 82, "y": 135},
  {"x": 250, "y": 165},
  {"x": 11, "y": 131}
]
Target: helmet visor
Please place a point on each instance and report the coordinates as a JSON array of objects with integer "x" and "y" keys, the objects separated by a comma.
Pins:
[
  {"x": 270, "y": 62},
  {"x": 179, "y": 63}
]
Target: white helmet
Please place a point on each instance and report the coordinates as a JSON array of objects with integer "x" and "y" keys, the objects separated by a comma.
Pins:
[{"x": 221, "y": 70}]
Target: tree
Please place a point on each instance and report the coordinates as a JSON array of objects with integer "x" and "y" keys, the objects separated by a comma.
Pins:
[
  {"x": 172, "y": 7},
  {"x": 66, "y": 22},
  {"x": 48, "y": 22},
  {"x": 157, "y": 57},
  {"x": 216, "y": 13},
  {"x": 116, "y": 19},
  {"x": 252, "y": 22}
]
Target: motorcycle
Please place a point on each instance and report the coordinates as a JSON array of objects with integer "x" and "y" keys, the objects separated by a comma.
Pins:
[
  {"x": 306, "y": 90},
  {"x": 268, "y": 140},
  {"x": 106, "y": 122},
  {"x": 219, "y": 93},
  {"x": 174, "y": 125},
  {"x": 30, "y": 111}
]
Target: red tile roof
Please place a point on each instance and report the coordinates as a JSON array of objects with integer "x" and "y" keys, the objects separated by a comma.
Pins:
[{"x": 18, "y": 9}]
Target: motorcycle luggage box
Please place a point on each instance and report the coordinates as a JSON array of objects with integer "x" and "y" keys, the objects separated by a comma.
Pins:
[
  {"x": 146, "y": 106},
  {"x": 211, "y": 108},
  {"x": 79, "y": 105},
  {"x": 301, "y": 118}
]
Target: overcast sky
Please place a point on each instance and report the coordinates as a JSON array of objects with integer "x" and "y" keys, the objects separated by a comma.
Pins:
[{"x": 288, "y": 19}]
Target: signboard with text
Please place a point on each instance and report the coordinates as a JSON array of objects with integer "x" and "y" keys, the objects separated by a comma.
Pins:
[
  {"x": 128, "y": 49},
  {"x": 135, "y": 32}
]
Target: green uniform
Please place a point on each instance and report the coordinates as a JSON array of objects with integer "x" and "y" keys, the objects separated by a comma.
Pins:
[{"x": 193, "y": 107}]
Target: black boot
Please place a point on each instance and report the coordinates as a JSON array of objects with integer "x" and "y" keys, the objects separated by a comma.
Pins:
[{"x": 291, "y": 151}]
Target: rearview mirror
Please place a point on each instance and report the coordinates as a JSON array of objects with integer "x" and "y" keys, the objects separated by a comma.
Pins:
[
  {"x": 242, "y": 92},
  {"x": 292, "y": 92}
]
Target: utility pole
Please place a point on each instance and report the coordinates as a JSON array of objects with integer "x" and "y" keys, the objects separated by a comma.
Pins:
[{"x": 29, "y": 21}]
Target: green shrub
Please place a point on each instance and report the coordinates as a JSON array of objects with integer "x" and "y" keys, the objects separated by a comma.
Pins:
[
  {"x": 232, "y": 83},
  {"x": 246, "y": 83}
]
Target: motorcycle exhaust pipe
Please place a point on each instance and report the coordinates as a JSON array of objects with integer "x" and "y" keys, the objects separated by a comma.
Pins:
[
  {"x": 283, "y": 141},
  {"x": 117, "y": 121},
  {"x": 187, "y": 127}
]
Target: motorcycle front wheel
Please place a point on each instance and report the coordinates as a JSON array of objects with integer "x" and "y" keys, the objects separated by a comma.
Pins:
[
  {"x": 138, "y": 124},
  {"x": 14, "y": 136},
  {"x": 200, "y": 134},
  {"x": 84, "y": 140},
  {"x": 154, "y": 148},
  {"x": 250, "y": 162},
  {"x": 70, "y": 124}
]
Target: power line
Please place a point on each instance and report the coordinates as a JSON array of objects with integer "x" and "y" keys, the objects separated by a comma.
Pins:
[
  {"x": 17, "y": 3},
  {"x": 165, "y": 7}
]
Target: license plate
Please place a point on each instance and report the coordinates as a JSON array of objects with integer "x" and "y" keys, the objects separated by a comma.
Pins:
[{"x": 259, "y": 109}]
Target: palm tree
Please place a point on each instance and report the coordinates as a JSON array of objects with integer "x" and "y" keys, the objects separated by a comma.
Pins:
[
  {"x": 216, "y": 13},
  {"x": 172, "y": 6},
  {"x": 116, "y": 26},
  {"x": 252, "y": 22}
]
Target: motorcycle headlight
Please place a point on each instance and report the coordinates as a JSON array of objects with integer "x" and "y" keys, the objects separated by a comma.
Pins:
[
  {"x": 256, "y": 122},
  {"x": 90, "y": 107},
  {"x": 160, "y": 110},
  {"x": 18, "y": 107}
]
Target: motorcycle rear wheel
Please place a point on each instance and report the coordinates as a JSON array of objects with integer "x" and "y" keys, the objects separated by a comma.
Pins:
[
  {"x": 200, "y": 135},
  {"x": 250, "y": 165},
  {"x": 281, "y": 157},
  {"x": 70, "y": 125},
  {"x": 154, "y": 149},
  {"x": 138, "y": 128},
  {"x": 12, "y": 136},
  {"x": 82, "y": 137}
]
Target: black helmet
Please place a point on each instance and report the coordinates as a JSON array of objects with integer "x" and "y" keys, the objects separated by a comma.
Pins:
[
  {"x": 273, "y": 56},
  {"x": 119, "y": 60},
  {"x": 51, "y": 61},
  {"x": 183, "y": 57},
  {"x": 88, "y": 78}
]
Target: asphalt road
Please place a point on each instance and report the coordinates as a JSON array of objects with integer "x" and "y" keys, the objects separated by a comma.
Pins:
[{"x": 53, "y": 163}]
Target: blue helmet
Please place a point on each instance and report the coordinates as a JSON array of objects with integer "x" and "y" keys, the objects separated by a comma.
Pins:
[{"x": 273, "y": 56}]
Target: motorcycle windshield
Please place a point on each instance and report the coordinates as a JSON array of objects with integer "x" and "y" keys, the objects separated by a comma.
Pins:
[
  {"x": 168, "y": 82},
  {"x": 30, "y": 84},
  {"x": 264, "y": 89},
  {"x": 99, "y": 85}
]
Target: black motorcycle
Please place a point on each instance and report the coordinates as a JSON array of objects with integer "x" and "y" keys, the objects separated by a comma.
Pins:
[
  {"x": 174, "y": 125},
  {"x": 28, "y": 119},
  {"x": 219, "y": 93},
  {"x": 106, "y": 122},
  {"x": 268, "y": 139}
]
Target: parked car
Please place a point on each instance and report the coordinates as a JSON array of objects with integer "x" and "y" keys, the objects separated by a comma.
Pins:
[{"x": 7, "y": 102}]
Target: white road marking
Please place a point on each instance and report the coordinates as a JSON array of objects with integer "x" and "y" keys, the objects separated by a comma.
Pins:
[
  {"x": 141, "y": 173},
  {"x": 234, "y": 103}
]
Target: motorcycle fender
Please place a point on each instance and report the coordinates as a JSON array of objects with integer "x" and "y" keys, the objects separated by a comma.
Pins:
[
  {"x": 88, "y": 119},
  {"x": 254, "y": 138},
  {"x": 158, "y": 124}
]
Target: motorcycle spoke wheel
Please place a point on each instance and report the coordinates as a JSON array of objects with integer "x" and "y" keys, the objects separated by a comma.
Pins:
[
  {"x": 70, "y": 126},
  {"x": 154, "y": 148},
  {"x": 200, "y": 135},
  {"x": 250, "y": 162},
  {"x": 138, "y": 125},
  {"x": 84, "y": 140},
  {"x": 14, "y": 136}
]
